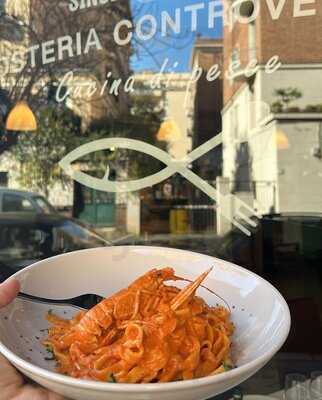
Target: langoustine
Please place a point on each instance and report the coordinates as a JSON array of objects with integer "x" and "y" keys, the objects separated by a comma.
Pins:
[{"x": 149, "y": 332}]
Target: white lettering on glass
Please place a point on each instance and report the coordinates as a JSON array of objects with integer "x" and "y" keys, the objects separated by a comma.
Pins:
[
  {"x": 275, "y": 11},
  {"x": 273, "y": 64},
  {"x": 117, "y": 33},
  {"x": 168, "y": 21},
  {"x": 75, "y": 5},
  {"x": 193, "y": 9},
  {"x": 300, "y": 12}
]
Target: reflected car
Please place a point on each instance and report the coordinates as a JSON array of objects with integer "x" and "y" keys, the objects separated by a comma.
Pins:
[
  {"x": 17, "y": 201},
  {"x": 27, "y": 238}
]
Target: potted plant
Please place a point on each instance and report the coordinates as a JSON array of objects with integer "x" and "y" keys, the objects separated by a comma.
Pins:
[{"x": 285, "y": 97}]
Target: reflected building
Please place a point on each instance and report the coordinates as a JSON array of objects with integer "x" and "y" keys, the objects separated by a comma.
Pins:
[
  {"x": 28, "y": 23},
  {"x": 168, "y": 92},
  {"x": 207, "y": 103},
  {"x": 55, "y": 20},
  {"x": 44, "y": 23},
  {"x": 205, "y": 109},
  {"x": 170, "y": 89},
  {"x": 272, "y": 114}
]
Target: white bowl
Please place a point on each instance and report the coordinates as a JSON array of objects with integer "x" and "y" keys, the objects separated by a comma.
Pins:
[{"x": 259, "y": 312}]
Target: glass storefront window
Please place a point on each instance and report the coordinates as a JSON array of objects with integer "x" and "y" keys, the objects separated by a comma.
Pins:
[{"x": 194, "y": 125}]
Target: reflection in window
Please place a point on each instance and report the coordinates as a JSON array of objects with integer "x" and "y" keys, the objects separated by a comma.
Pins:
[
  {"x": 44, "y": 205},
  {"x": 32, "y": 241},
  {"x": 16, "y": 203}
]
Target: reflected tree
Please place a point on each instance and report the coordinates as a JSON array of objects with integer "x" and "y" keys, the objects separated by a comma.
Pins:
[
  {"x": 28, "y": 23},
  {"x": 38, "y": 153}
]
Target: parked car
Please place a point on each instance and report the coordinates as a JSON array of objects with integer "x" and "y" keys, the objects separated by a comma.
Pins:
[
  {"x": 26, "y": 238},
  {"x": 22, "y": 201}
]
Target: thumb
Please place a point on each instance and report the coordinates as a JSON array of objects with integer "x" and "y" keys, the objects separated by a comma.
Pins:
[{"x": 8, "y": 291}]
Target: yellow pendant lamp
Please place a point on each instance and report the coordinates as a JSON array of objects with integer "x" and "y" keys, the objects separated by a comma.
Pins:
[
  {"x": 282, "y": 141},
  {"x": 21, "y": 118},
  {"x": 169, "y": 131}
]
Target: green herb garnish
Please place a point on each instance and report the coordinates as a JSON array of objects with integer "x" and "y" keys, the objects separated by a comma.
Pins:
[
  {"x": 49, "y": 349},
  {"x": 111, "y": 378},
  {"x": 227, "y": 366},
  {"x": 50, "y": 358}
]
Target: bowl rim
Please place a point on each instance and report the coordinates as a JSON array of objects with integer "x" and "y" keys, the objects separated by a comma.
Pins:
[{"x": 152, "y": 387}]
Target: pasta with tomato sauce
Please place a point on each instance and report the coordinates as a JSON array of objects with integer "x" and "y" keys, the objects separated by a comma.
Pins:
[{"x": 149, "y": 332}]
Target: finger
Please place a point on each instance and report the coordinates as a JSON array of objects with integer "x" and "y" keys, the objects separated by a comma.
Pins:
[
  {"x": 12, "y": 386},
  {"x": 54, "y": 396},
  {"x": 32, "y": 392},
  {"x": 10, "y": 380},
  {"x": 8, "y": 291}
]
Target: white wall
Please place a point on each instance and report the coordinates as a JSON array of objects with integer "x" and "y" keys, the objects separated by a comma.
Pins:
[
  {"x": 290, "y": 180},
  {"x": 235, "y": 130},
  {"x": 133, "y": 215},
  {"x": 7, "y": 164},
  {"x": 300, "y": 173},
  {"x": 262, "y": 144},
  {"x": 306, "y": 79},
  {"x": 59, "y": 196}
]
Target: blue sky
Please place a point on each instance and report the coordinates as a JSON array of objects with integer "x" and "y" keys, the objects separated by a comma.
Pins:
[{"x": 177, "y": 48}]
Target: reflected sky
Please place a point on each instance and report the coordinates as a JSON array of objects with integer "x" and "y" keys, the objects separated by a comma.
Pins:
[{"x": 177, "y": 47}]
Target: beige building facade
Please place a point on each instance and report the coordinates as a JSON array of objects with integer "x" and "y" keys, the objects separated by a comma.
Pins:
[{"x": 172, "y": 91}]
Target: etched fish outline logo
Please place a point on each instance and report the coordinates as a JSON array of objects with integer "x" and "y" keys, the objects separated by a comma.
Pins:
[{"x": 172, "y": 166}]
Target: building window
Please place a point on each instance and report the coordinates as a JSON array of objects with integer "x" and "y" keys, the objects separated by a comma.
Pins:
[
  {"x": 4, "y": 179},
  {"x": 16, "y": 203},
  {"x": 235, "y": 58},
  {"x": 235, "y": 124}
]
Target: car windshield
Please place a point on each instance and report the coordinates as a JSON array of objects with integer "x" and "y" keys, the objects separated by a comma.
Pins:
[
  {"x": 71, "y": 236},
  {"x": 45, "y": 206}
]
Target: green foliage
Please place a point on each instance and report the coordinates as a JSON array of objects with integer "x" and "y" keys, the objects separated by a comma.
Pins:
[
  {"x": 287, "y": 95},
  {"x": 314, "y": 108},
  {"x": 277, "y": 107},
  {"x": 227, "y": 366},
  {"x": 111, "y": 378},
  {"x": 39, "y": 153},
  {"x": 141, "y": 123}
]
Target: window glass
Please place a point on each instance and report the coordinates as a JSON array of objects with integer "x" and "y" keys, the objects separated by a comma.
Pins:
[
  {"x": 3, "y": 179},
  {"x": 191, "y": 124},
  {"x": 16, "y": 203},
  {"x": 78, "y": 236},
  {"x": 44, "y": 205},
  {"x": 23, "y": 242}
]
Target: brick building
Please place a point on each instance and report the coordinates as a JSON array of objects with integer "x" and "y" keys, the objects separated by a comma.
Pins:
[{"x": 271, "y": 147}]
